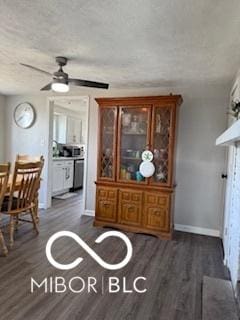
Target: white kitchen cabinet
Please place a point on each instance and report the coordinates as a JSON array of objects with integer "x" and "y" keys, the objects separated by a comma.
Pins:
[
  {"x": 62, "y": 179},
  {"x": 59, "y": 127},
  {"x": 58, "y": 177},
  {"x": 68, "y": 179},
  {"x": 74, "y": 130},
  {"x": 67, "y": 129}
]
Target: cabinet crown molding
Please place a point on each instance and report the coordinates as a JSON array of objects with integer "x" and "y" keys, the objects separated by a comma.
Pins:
[{"x": 176, "y": 99}]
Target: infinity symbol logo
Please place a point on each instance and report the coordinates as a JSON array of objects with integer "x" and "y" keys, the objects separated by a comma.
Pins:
[{"x": 92, "y": 253}]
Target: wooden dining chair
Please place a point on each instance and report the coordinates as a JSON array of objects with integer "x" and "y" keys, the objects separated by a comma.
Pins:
[
  {"x": 4, "y": 175},
  {"x": 28, "y": 158},
  {"x": 25, "y": 185}
]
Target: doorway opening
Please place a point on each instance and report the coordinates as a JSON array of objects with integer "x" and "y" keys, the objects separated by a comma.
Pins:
[{"x": 68, "y": 145}]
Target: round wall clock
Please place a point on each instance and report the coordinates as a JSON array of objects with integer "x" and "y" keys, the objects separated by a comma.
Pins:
[{"x": 24, "y": 115}]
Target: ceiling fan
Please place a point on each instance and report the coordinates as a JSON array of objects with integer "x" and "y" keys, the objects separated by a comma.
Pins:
[{"x": 61, "y": 81}]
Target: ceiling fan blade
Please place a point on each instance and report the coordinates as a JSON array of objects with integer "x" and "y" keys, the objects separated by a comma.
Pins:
[
  {"x": 86, "y": 83},
  {"x": 47, "y": 87},
  {"x": 36, "y": 69}
]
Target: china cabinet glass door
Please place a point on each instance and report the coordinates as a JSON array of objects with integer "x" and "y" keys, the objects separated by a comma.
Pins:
[
  {"x": 134, "y": 128},
  {"x": 107, "y": 139},
  {"x": 161, "y": 145}
]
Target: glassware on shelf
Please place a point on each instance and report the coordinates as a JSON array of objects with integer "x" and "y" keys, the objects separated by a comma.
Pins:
[
  {"x": 156, "y": 154},
  {"x": 107, "y": 130},
  {"x": 107, "y": 142},
  {"x": 131, "y": 154},
  {"x": 126, "y": 119},
  {"x": 161, "y": 144},
  {"x": 135, "y": 125},
  {"x": 160, "y": 175},
  {"x": 139, "y": 177},
  {"x": 158, "y": 123},
  {"x": 108, "y": 153},
  {"x": 138, "y": 154},
  {"x": 133, "y": 140},
  {"x": 131, "y": 173}
]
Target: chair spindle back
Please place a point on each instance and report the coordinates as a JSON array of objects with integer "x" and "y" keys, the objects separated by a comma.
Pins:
[
  {"x": 25, "y": 184},
  {"x": 4, "y": 175}
]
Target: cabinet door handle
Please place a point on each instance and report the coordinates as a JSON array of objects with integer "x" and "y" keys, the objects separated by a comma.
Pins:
[
  {"x": 106, "y": 204},
  {"x": 67, "y": 173}
]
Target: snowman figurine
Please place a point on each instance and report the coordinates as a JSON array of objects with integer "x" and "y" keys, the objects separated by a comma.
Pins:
[{"x": 146, "y": 167}]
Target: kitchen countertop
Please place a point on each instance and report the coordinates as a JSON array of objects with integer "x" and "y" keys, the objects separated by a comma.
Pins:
[{"x": 67, "y": 158}]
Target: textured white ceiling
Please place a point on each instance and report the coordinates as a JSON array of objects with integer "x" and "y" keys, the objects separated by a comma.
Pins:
[
  {"x": 128, "y": 43},
  {"x": 76, "y": 105}
]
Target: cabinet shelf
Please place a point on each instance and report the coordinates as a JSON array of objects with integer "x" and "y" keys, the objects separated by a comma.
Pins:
[
  {"x": 131, "y": 158},
  {"x": 161, "y": 134},
  {"x": 133, "y": 134}
]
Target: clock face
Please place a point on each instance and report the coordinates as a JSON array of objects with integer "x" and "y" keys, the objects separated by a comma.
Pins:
[{"x": 24, "y": 115}]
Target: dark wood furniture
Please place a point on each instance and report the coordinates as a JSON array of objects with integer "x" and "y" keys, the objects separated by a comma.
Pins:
[
  {"x": 4, "y": 176},
  {"x": 22, "y": 196},
  {"x": 27, "y": 158},
  {"x": 127, "y": 127}
]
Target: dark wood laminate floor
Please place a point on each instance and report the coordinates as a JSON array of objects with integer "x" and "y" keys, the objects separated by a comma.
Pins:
[{"x": 174, "y": 271}]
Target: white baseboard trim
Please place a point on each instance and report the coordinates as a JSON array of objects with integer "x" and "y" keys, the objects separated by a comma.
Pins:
[
  {"x": 90, "y": 213},
  {"x": 41, "y": 206},
  {"x": 197, "y": 230},
  {"x": 225, "y": 261}
]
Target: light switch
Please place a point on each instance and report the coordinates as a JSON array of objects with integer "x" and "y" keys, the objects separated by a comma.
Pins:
[{"x": 42, "y": 142}]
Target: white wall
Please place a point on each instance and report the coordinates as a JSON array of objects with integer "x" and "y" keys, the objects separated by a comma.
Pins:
[
  {"x": 199, "y": 162},
  {"x": 33, "y": 141},
  {"x": 2, "y": 128}
]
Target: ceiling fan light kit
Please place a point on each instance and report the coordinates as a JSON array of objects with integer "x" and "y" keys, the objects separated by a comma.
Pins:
[
  {"x": 58, "y": 86},
  {"x": 61, "y": 81}
]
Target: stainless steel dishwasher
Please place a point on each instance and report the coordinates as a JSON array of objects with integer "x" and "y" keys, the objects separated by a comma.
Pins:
[{"x": 78, "y": 174}]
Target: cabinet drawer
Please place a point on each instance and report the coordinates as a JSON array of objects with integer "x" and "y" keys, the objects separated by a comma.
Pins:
[
  {"x": 130, "y": 207},
  {"x": 57, "y": 164},
  {"x": 106, "y": 204},
  {"x": 107, "y": 193},
  {"x": 157, "y": 211},
  {"x": 68, "y": 163}
]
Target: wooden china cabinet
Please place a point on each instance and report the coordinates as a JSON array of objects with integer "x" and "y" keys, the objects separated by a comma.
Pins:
[{"x": 124, "y": 198}]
